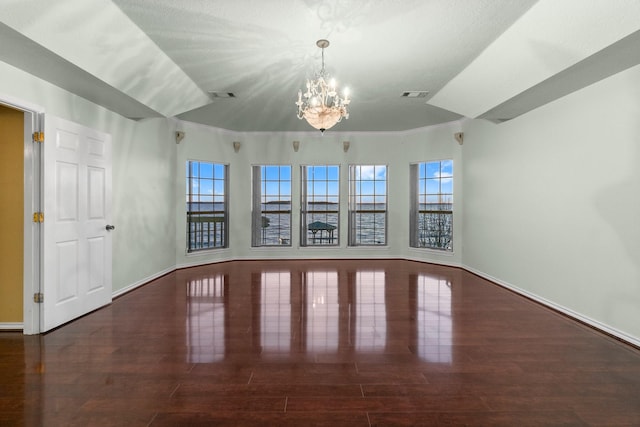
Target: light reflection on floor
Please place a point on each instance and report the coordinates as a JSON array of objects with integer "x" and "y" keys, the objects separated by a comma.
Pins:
[
  {"x": 434, "y": 320},
  {"x": 318, "y": 311},
  {"x": 205, "y": 323}
]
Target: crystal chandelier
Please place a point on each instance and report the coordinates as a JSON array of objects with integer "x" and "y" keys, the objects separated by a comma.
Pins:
[{"x": 321, "y": 105}]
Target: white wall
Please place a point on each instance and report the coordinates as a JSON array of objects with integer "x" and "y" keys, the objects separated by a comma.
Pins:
[
  {"x": 397, "y": 150},
  {"x": 143, "y": 175},
  {"x": 552, "y": 203}
]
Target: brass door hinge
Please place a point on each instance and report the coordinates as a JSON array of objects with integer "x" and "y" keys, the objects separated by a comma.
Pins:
[
  {"x": 38, "y": 217},
  {"x": 38, "y": 297},
  {"x": 38, "y": 137}
]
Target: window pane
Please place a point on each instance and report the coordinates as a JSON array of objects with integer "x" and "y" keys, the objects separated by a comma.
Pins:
[
  {"x": 206, "y": 170},
  {"x": 320, "y": 190},
  {"x": 333, "y": 173},
  {"x": 333, "y": 200},
  {"x": 433, "y": 170},
  {"x": 271, "y": 173},
  {"x": 219, "y": 171},
  {"x": 447, "y": 168},
  {"x": 447, "y": 186},
  {"x": 333, "y": 188},
  {"x": 432, "y": 198},
  {"x": 319, "y": 172},
  {"x": 219, "y": 186},
  {"x": 271, "y": 190},
  {"x": 194, "y": 169},
  {"x": 423, "y": 171},
  {"x": 433, "y": 186},
  {"x": 285, "y": 189}
]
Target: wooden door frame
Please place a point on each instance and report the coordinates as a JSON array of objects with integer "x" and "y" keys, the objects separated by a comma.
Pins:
[{"x": 33, "y": 122}]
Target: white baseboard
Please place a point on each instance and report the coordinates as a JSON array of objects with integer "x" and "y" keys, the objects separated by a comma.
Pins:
[
  {"x": 141, "y": 282},
  {"x": 564, "y": 310},
  {"x": 11, "y": 326},
  {"x": 454, "y": 264},
  {"x": 200, "y": 262},
  {"x": 263, "y": 256}
]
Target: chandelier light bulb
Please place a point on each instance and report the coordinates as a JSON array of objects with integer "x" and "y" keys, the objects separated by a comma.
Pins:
[{"x": 320, "y": 105}]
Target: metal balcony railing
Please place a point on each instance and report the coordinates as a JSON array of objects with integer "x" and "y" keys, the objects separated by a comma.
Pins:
[{"x": 206, "y": 230}]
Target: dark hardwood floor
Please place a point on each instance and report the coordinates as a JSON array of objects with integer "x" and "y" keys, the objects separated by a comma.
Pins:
[{"x": 357, "y": 343}]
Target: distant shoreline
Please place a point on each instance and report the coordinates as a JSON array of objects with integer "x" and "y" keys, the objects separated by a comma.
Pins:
[{"x": 278, "y": 202}]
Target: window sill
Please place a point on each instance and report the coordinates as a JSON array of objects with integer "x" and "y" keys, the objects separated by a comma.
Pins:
[
  {"x": 205, "y": 251},
  {"x": 368, "y": 247},
  {"x": 432, "y": 251}
]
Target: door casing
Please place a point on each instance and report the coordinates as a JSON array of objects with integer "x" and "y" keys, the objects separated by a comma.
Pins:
[{"x": 33, "y": 115}]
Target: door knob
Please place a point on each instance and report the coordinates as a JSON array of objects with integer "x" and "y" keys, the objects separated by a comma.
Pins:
[{"x": 110, "y": 227}]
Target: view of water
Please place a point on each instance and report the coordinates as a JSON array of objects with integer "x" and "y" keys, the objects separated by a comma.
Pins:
[
  {"x": 207, "y": 229},
  {"x": 276, "y": 224}
]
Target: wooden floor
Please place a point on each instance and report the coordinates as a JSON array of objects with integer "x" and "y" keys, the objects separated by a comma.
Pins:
[{"x": 356, "y": 343}]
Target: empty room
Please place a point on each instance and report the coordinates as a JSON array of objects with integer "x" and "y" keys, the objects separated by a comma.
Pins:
[{"x": 295, "y": 212}]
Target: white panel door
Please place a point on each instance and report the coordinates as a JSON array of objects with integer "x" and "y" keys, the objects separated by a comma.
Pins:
[{"x": 76, "y": 270}]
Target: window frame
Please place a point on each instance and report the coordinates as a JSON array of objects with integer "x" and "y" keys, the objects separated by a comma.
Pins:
[
  {"x": 259, "y": 198},
  {"x": 356, "y": 196},
  {"x": 192, "y": 246},
  {"x": 419, "y": 184},
  {"x": 332, "y": 236}
]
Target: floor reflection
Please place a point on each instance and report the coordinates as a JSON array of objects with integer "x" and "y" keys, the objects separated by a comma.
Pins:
[
  {"x": 434, "y": 322},
  {"x": 321, "y": 315},
  {"x": 318, "y": 311},
  {"x": 370, "y": 311},
  {"x": 205, "y": 322},
  {"x": 275, "y": 312}
]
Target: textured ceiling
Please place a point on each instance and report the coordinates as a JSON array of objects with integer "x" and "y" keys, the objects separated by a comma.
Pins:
[
  {"x": 493, "y": 59},
  {"x": 263, "y": 51}
]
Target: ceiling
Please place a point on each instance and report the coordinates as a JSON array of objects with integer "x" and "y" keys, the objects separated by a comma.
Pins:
[{"x": 491, "y": 59}]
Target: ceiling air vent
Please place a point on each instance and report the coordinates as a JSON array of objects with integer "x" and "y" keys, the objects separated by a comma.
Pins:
[
  {"x": 415, "y": 94},
  {"x": 217, "y": 94}
]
